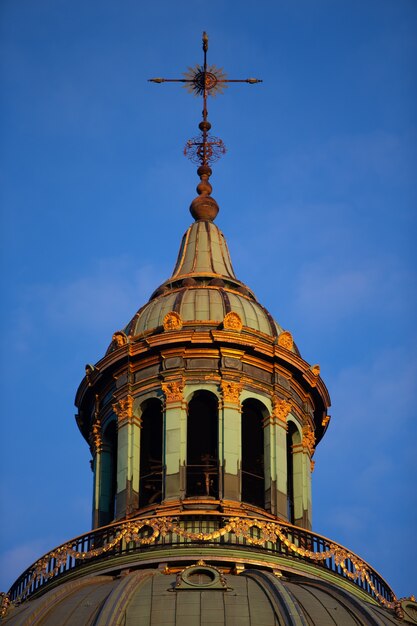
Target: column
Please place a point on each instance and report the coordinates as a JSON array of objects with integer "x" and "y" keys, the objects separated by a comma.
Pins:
[
  {"x": 175, "y": 449},
  {"x": 230, "y": 439},
  {"x": 128, "y": 458},
  {"x": 280, "y": 411},
  {"x": 308, "y": 443}
]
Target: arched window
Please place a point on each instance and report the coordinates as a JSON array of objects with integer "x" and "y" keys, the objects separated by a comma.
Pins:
[
  {"x": 293, "y": 438},
  {"x": 203, "y": 445},
  {"x": 150, "y": 483},
  {"x": 108, "y": 475},
  {"x": 253, "y": 477}
]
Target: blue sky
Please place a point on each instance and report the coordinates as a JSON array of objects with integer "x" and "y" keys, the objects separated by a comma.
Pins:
[{"x": 317, "y": 198}]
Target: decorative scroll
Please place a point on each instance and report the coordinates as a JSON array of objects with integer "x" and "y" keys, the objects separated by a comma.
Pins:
[
  {"x": 285, "y": 340},
  {"x": 124, "y": 409},
  {"x": 309, "y": 440},
  {"x": 232, "y": 321},
  {"x": 172, "y": 321},
  {"x": 231, "y": 391},
  {"x": 158, "y": 527},
  {"x": 173, "y": 390}
]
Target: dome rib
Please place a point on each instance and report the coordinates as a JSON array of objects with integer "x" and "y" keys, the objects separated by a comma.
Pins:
[{"x": 203, "y": 252}]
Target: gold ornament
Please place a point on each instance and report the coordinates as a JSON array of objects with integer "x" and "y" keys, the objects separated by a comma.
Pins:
[
  {"x": 230, "y": 391},
  {"x": 4, "y": 604},
  {"x": 285, "y": 340},
  {"x": 172, "y": 321},
  {"x": 119, "y": 339},
  {"x": 309, "y": 440},
  {"x": 173, "y": 390},
  {"x": 280, "y": 409},
  {"x": 315, "y": 370},
  {"x": 232, "y": 321},
  {"x": 325, "y": 420},
  {"x": 95, "y": 437},
  {"x": 124, "y": 408},
  {"x": 265, "y": 533}
]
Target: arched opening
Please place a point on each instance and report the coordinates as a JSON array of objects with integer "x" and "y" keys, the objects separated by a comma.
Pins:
[
  {"x": 108, "y": 475},
  {"x": 203, "y": 445},
  {"x": 293, "y": 438},
  {"x": 150, "y": 483},
  {"x": 253, "y": 476}
]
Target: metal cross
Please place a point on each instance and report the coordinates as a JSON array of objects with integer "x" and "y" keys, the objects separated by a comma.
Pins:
[{"x": 205, "y": 80}]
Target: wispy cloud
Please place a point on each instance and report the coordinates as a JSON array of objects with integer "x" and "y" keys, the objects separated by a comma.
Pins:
[
  {"x": 101, "y": 300},
  {"x": 336, "y": 292}
]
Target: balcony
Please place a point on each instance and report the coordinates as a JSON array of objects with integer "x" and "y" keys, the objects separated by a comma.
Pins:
[{"x": 265, "y": 540}]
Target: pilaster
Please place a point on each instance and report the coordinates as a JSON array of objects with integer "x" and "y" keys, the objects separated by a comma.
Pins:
[
  {"x": 128, "y": 457},
  {"x": 230, "y": 440},
  {"x": 175, "y": 449},
  {"x": 278, "y": 425}
]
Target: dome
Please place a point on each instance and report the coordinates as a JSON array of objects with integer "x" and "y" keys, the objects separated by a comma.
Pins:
[
  {"x": 203, "y": 304},
  {"x": 203, "y": 288},
  {"x": 202, "y": 594}
]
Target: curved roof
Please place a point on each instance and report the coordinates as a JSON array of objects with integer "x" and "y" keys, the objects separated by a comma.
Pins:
[
  {"x": 152, "y": 598},
  {"x": 203, "y": 288},
  {"x": 203, "y": 304}
]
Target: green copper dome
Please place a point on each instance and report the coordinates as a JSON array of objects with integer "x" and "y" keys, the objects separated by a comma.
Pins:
[{"x": 203, "y": 288}]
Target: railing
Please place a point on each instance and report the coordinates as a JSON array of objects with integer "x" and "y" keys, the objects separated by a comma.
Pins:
[{"x": 186, "y": 531}]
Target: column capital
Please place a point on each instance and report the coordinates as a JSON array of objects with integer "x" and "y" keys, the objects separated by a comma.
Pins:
[
  {"x": 173, "y": 391},
  {"x": 124, "y": 411},
  {"x": 231, "y": 391},
  {"x": 280, "y": 411}
]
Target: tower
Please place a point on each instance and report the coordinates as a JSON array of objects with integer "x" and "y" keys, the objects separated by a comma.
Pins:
[{"x": 202, "y": 419}]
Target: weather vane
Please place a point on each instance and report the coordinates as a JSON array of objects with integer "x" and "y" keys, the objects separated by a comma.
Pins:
[{"x": 204, "y": 80}]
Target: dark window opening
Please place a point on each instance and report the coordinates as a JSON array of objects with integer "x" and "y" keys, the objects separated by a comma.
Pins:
[
  {"x": 202, "y": 445},
  {"x": 108, "y": 479},
  {"x": 150, "y": 485},
  {"x": 253, "y": 478},
  {"x": 291, "y": 433}
]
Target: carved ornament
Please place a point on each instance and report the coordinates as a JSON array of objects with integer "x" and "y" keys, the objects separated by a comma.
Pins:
[
  {"x": 325, "y": 420},
  {"x": 132, "y": 531},
  {"x": 96, "y": 437},
  {"x": 4, "y": 604},
  {"x": 173, "y": 390},
  {"x": 309, "y": 440},
  {"x": 124, "y": 408},
  {"x": 232, "y": 321},
  {"x": 280, "y": 409},
  {"x": 119, "y": 339},
  {"x": 315, "y": 370},
  {"x": 285, "y": 340},
  {"x": 89, "y": 369},
  {"x": 312, "y": 464},
  {"x": 172, "y": 321},
  {"x": 231, "y": 391}
]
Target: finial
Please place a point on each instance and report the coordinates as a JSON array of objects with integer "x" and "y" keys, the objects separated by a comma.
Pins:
[{"x": 204, "y": 80}]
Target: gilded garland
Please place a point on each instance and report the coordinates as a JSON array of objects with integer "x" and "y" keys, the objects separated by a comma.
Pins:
[{"x": 146, "y": 532}]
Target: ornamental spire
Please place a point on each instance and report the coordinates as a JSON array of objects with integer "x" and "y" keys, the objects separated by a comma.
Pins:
[{"x": 204, "y": 80}]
